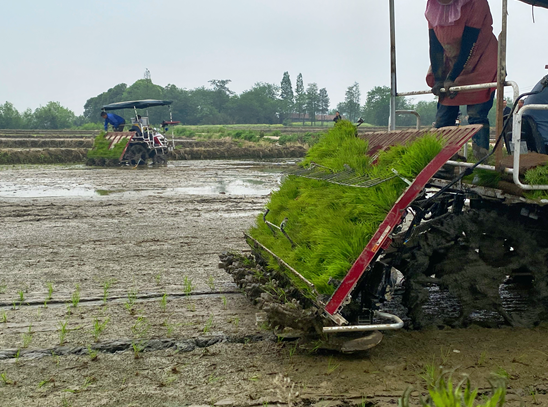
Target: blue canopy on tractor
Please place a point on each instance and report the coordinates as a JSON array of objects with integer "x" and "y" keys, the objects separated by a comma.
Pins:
[
  {"x": 138, "y": 104},
  {"x": 538, "y": 3}
]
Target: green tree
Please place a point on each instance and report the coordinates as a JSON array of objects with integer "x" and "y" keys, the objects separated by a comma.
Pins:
[
  {"x": 259, "y": 105},
  {"x": 323, "y": 103},
  {"x": 352, "y": 102},
  {"x": 206, "y": 113},
  {"x": 377, "y": 107},
  {"x": 183, "y": 109},
  {"x": 286, "y": 97},
  {"x": 312, "y": 101},
  {"x": 300, "y": 97},
  {"x": 92, "y": 107},
  {"x": 10, "y": 118},
  {"x": 145, "y": 89},
  {"x": 53, "y": 116},
  {"x": 427, "y": 111},
  {"x": 221, "y": 94}
]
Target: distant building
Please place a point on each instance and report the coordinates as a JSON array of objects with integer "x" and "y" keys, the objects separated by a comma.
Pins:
[{"x": 296, "y": 117}]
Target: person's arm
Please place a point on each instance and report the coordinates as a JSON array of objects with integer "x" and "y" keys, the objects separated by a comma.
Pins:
[
  {"x": 436, "y": 56},
  {"x": 436, "y": 61},
  {"x": 469, "y": 39},
  {"x": 106, "y": 123}
]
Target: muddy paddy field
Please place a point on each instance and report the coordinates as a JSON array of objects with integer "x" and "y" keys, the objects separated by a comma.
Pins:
[{"x": 111, "y": 295}]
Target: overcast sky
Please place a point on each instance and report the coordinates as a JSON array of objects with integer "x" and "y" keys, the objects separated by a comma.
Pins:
[{"x": 71, "y": 50}]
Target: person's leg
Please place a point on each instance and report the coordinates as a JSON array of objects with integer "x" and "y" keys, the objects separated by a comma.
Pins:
[
  {"x": 446, "y": 115},
  {"x": 477, "y": 114},
  {"x": 120, "y": 127}
]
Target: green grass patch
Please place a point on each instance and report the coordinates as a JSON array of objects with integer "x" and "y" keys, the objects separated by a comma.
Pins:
[
  {"x": 331, "y": 224},
  {"x": 537, "y": 176},
  {"x": 265, "y": 135},
  {"x": 444, "y": 391},
  {"x": 101, "y": 148}
]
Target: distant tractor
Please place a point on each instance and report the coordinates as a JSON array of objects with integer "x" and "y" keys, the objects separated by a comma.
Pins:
[{"x": 141, "y": 145}]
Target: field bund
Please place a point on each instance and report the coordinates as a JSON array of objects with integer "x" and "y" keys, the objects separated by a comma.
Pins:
[{"x": 68, "y": 146}]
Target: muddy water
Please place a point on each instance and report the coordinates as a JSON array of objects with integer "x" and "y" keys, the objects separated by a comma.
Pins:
[{"x": 129, "y": 237}]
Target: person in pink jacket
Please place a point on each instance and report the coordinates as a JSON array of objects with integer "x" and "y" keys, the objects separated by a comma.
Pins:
[{"x": 463, "y": 51}]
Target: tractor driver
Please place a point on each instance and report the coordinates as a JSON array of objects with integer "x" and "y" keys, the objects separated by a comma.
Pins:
[
  {"x": 117, "y": 122},
  {"x": 539, "y": 116},
  {"x": 463, "y": 51}
]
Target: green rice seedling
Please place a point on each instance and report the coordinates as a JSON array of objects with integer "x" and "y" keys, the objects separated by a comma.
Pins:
[
  {"x": 533, "y": 393},
  {"x": 223, "y": 298},
  {"x": 69, "y": 311},
  {"x": 141, "y": 327},
  {"x": 3, "y": 288},
  {"x": 430, "y": 374},
  {"x": 4, "y": 317},
  {"x": 92, "y": 353},
  {"x": 62, "y": 332},
  {"x": 444, "y": 393},
  {"x": 50, "y": 291},
  {"x": 236, "y": 321},
  {"x": 213, "y": 379},
  {"x": 101, "y": 148},
  {"x": 27, "y": 337},
  {"x": 131, "y": 298},
  {"x": 137, "y": 349},
  {"x": 99, "y": 327},
  {"x": 191, "y": 306},
  {"x": 502, "y": 373},
  {"x": 158, "y": 278},
  {"x": 44, "y": 382},
  {"x": 444, "y": 355},
  {"x": 167, "y": 380},
  {"x": 55, "y": 357},
  {"x": 208, "y": 324},
  {"x": 21, "y": 296},
  {"x": 106, "y": 286},
  {"x": 65, "y": 402},
  {"x": 5, "y": 379},
  {"x": 163, "y": 302},
  {"x": 331, "y": 224},
  {"x": 537, "y": 176},
  {"x": 488, "y": 178},
  {"x": 45, "y": 303},
  {"x": 17, "y": 356},
  {"x": 211, "y": 283},
  {"x": 87, "y": 381},
  {"x": 331, "y": 367},
  {"x": 75, "y": 298},
  {"x": 187, "y": 286},
  {"x": 482, "y": 358},
  {"x": 171, "y": 327},
  {"x": 292, "y": 350}
]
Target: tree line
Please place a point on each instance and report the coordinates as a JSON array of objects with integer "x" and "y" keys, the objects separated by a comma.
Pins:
[{"x": 264, "y": 103}]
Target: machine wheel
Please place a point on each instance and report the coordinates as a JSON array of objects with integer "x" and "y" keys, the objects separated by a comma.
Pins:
[
  {"x": 479, "y": 264},
  {"x": 136, "y": 155},
  {"x": 159, "y": 159}
]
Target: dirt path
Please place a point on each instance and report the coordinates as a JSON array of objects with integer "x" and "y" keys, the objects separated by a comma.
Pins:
[{"x": 141, "y": 315}]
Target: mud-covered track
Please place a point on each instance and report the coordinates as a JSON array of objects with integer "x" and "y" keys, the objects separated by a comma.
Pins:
[{"x": 125, "y": 345}]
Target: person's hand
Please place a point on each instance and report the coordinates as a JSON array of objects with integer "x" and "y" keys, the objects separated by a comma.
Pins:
[
  {"x": 447, "y": 84},
  {"x": 436, "y": 88}
]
